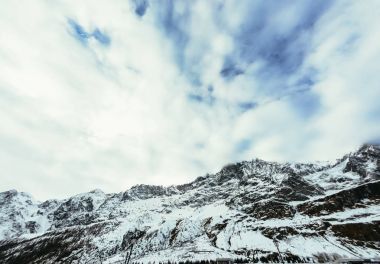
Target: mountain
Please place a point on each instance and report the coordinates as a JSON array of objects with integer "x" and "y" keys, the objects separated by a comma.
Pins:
[{"x": 257, "y": 210}]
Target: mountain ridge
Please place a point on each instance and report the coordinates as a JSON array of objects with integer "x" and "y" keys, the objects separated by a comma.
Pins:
[{"x": 309, "y": 209}]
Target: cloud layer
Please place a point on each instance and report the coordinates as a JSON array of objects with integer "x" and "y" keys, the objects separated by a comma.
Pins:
[{"x": 112, "y": 94}]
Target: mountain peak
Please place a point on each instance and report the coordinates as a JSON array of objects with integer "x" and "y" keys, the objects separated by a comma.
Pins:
[{"x": 372, "y": 149}]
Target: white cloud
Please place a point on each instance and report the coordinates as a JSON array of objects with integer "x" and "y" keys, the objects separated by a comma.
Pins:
[
  {"x": 346, "y": 51},
  {"x": 78, "y": 116}
]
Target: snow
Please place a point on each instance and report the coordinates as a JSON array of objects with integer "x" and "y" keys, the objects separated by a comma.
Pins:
[
  {"x": 251, "y": 240},
  {"x": 328, "y": 179},
  {"x": 179, "y": 225},
  {"x": 302, "y": 246}
]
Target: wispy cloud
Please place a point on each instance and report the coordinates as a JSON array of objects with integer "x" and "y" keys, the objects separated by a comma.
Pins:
[{"x": 108, "y": 95}]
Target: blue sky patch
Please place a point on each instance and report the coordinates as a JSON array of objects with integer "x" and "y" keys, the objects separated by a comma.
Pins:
[
  {"x": 78, "y": 31},
  {"x": 195, "y": 97},
  {"x": 101, "y": 37},
  {"x": 231, "y": 72},
  {"x": 140, "y": 7},
  {"x": 307, "y": 103},
  {"x": 83, "y": 36},
  {"x": 199, "y": 145},
  {"x": 243, "y": 145},
  {"x": 207, "y": 99},
  {"x": 246, "y": 106}
]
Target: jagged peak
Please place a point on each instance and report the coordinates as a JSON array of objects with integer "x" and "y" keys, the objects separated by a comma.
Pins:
[
  {"x": 97, "y": 191},
  {"x": 146, "y": 186},
  {"x": 365, "y": 151},
  {"x": 9, "y": 192},
  {"x": 14, "y": 193},
  {"x": 146, "y": 191},
  {"x": 368, "y": 148}
]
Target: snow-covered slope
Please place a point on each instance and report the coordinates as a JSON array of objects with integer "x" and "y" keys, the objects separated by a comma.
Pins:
[{"x": 259, "y": 210}]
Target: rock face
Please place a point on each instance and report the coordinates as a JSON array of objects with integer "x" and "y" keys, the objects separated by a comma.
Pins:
[{"x": 256, "y": 210}]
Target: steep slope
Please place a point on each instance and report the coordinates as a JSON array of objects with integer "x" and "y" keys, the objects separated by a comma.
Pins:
[{"x": 263, "y": 211}]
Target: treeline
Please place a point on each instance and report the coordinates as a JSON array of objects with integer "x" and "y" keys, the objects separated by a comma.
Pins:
[
  {"x": 268, "y": 259},
  {"x": 196, "y": 262}
]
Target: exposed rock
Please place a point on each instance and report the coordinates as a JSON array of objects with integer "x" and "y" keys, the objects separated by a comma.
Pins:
[
  {"x": 270, "y": 209},
  {"x": 251, "y": 209},
  {"x": 347, "y": 199}
]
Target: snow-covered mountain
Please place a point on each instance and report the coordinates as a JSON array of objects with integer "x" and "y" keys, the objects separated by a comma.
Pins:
[{"x": 263, "y": 211}]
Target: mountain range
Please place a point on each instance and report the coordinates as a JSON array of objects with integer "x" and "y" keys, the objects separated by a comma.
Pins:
[{"x": 252, "y": 210}]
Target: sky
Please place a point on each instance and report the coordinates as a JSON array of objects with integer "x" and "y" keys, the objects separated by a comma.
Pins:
[{"x": 110, "y": 94}]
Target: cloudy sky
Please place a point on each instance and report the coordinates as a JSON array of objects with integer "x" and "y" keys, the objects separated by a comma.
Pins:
[{"x": 109, "y": 94}]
